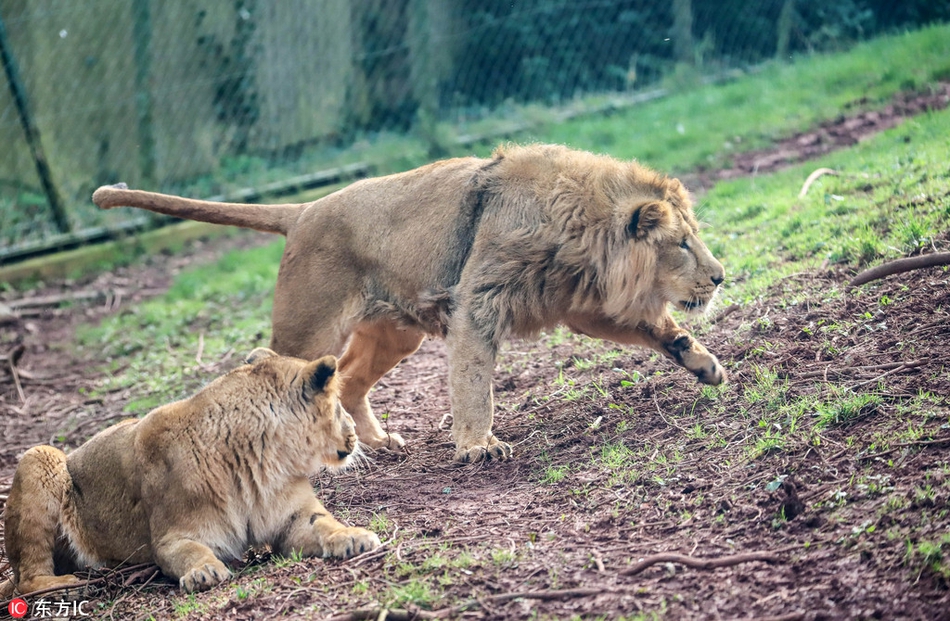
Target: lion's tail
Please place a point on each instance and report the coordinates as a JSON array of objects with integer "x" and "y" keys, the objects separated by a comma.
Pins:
[{"x": 267, "y": 218}]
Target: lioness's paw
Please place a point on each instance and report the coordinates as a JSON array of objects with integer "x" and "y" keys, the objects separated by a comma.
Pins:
[
  {"x": 350, "y": 541},
  {"x": 495, "y": 450},
  {"x": 204, "y": 577}
]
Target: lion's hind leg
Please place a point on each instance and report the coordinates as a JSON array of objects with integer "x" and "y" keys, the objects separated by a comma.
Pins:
[
  {"x": 34, "y": 514},
  {"x": 374, "y": 348},
  {"x": 312, "y": 531}
]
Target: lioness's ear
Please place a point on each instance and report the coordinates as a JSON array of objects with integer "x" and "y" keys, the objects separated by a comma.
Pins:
[
  {"x": 647, "y": 218},
  {"x": 320, "y": 372},
  {"x": 259, "y": 354}
]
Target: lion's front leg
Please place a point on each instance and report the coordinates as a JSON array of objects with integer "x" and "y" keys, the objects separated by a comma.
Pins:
[
  {"x": 665, "y": 336},
  {"x": 677, "y": 343},
  {"x": 190, "y": 561},
  {"x": 312, "y": 531},
  {"x": 471, "y": 364}
]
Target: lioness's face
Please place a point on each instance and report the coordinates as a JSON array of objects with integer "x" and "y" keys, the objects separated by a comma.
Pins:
[
  {"x": 688, "y": 273},
  {"x": 312, "y": 394},
  {"x": 333, "y": 434},
  {"x": 341, "y": 442}
]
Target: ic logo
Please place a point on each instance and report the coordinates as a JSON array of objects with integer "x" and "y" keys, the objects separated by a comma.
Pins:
[{"x": 18, "y": 608}]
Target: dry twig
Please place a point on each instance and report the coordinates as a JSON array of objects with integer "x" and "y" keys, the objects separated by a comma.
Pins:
[
  {"x": 725, "y": 313},
  {"x": 56, "y": 299},
  {"x": 831, "y": 374},
  {"x": 903, "y": 367},
  {"x": 134, "y": 569},
  {"x": 11, "y": 359}
]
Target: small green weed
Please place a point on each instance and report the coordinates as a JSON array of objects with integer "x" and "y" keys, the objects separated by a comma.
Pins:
[
  {"x": 930, "y": 557},
  {"x": 413, "y": 592},
  {"x": 845, "y": 408},
  {"x": 187, "y": 605},
  {"x": 770, "y": 440},
  {"x": 503, "y": 556},
  {"x": 379, "y": 523},
  {"x": 554, "y": 474},
  {"x": 283, "y": 561},
  {"x": 615, "y": 456}
]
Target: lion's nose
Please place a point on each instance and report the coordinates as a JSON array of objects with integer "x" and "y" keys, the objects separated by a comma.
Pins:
[
  {"x": 717, "y": 280},
  {"x": 342, "y": 454}
]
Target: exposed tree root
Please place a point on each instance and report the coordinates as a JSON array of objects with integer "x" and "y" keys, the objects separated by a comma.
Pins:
[
  {"x": 699, "y": 563},
  {"x": 899, "y": 266}
]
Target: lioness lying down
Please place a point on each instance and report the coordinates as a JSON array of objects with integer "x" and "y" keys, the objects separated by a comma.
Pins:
[
  {"x": 191, "y": 484},
  {"x": 476, "y": 251}
]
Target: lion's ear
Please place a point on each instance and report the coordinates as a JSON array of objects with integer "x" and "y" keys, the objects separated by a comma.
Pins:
[
  {"x": 259, "y": 354},
  {"x": 677, "y": 193},
  {"x": 647, "y": 218},
  {"x": 319, "y": 372}
]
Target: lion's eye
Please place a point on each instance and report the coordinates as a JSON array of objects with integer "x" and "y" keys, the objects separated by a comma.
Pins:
[{"x": 684, "y": 245}]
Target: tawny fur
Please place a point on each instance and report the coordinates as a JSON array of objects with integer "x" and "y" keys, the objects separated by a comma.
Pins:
[
  {"x": 477, "y": 251},
  {"x": 191, "y": 485}
]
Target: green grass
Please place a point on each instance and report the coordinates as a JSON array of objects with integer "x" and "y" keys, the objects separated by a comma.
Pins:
[
  {"x": 702, "y": 127},
  {"x": 554, "y": 474},
  {"x": 187, "y": 605},
  {"x": 892, "y": 196},
  {"x": 414, "y": 592},
  {"x": 222, "y": 309}
]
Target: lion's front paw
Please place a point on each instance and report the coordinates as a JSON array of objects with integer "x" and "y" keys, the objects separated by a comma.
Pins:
[
  {"x": 495, "y": 449},
  {"x": 204, "y": 577},
  {"x": 711, "y": 372},
  {"x": 697, "y": 359},
  {"x": 350, "y": 542}
]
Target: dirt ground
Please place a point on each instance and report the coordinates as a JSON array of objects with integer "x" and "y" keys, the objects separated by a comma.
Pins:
[{"x": 801, "y": 530}]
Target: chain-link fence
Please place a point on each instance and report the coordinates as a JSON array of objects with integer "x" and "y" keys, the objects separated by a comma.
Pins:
[{"x": 203, "y": 97}]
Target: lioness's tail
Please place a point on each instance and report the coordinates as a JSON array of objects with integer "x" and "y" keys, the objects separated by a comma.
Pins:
[{"x": 267, "y": 218}]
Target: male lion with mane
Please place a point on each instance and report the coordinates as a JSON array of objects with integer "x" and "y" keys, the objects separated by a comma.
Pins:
[
  {"x": 477, "y": 251},
  {"x": 191, "y": 484}
]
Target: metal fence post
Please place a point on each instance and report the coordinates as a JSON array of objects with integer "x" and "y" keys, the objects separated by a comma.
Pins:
[{"x": 32, "y": 132}]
